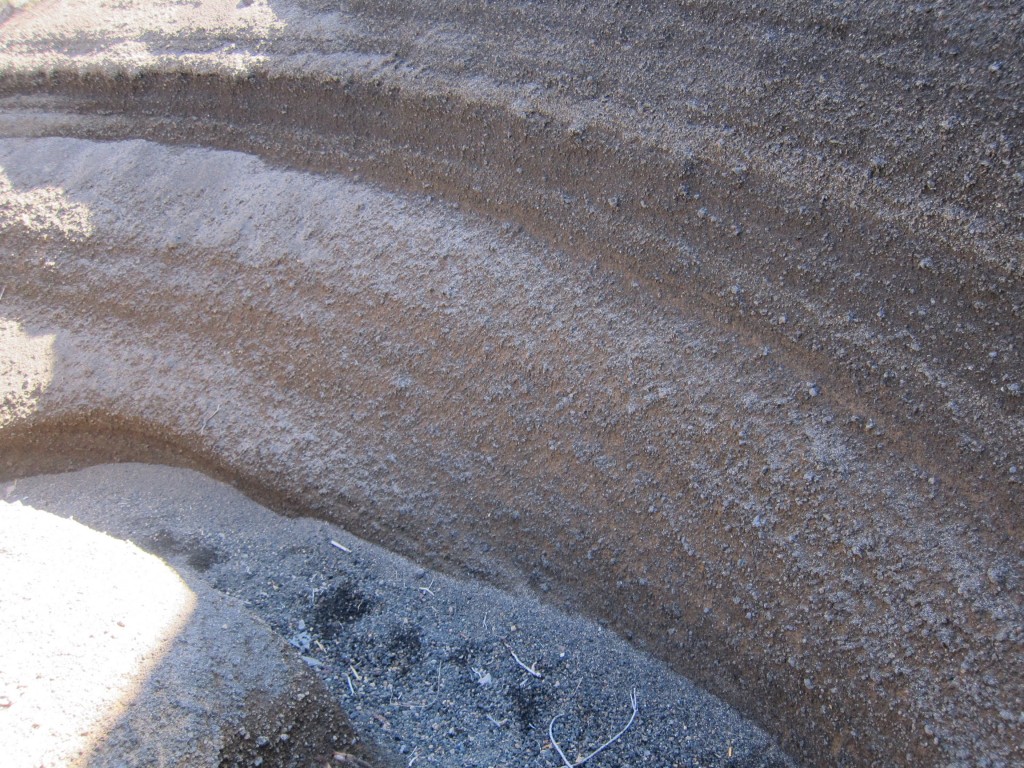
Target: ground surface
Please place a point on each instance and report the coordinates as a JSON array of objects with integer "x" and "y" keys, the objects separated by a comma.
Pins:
[
  {"x": 422, "y": 662},
  {"x": 111, "y": 659},
  {"x": 703, "y": 319}
]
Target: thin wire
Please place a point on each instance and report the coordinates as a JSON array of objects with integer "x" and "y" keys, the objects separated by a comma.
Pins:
[{"x": 600, "y": 749}]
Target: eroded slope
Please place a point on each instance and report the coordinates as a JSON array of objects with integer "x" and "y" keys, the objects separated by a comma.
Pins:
[{"x": 747, "y": 383}]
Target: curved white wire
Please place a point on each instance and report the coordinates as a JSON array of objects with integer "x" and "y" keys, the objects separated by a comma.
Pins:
[{"x": 612, "y": 740}]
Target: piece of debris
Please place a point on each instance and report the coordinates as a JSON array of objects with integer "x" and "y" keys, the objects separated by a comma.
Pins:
[{"x": 612, "y": 740}]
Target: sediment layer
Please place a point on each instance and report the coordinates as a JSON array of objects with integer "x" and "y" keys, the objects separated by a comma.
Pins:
[{"x": 705, "y": 322}]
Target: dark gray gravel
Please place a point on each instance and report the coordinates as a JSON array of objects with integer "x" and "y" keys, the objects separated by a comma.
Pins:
[{"x": 422, "y": 663}]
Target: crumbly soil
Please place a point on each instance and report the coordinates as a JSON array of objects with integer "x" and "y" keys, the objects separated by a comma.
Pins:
[
  {"x": 422, "y": 662},
  {"x": 701, "y": 319}
]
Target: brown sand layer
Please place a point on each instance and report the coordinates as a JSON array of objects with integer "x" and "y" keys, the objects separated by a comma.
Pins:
[{"x": 705, "y": 321}]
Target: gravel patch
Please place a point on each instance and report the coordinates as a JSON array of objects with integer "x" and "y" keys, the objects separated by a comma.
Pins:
[{"x": 435, "y": 670}]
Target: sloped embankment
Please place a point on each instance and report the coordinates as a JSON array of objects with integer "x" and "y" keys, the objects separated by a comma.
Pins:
[{"x": 706, "y": 323}]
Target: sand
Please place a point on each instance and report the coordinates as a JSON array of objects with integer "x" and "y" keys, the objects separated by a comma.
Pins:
[{"x": 700, "y": 320}]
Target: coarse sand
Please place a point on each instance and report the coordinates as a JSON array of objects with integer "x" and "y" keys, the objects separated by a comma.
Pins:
[{"x": 702, "y": 320}]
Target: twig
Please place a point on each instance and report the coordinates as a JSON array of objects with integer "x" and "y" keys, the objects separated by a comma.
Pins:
[
  {"x": 532, "y": 670},
  {"x": 342, "y": 547},
  {"x": 3, "y": 290},
  {"x": 206, "y": 421},
  {"x": 612, "y": 740},
  {"x": 351, "y": 688}
]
